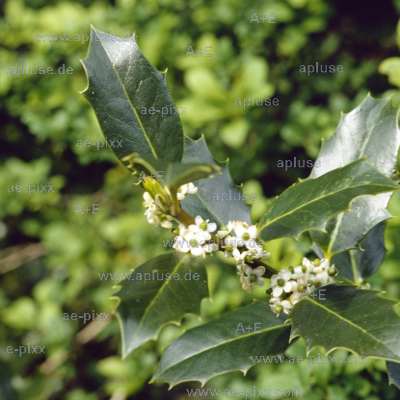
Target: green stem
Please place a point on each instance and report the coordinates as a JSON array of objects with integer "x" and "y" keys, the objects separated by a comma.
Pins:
[{"x": 356, "y": 273}]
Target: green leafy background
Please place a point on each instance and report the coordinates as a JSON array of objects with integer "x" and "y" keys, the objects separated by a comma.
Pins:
[{"x": 58, "y": 246}]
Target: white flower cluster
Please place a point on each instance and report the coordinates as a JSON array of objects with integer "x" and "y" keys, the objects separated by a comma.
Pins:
[
  {"x": 290, "y": 285},
  {"x": 196, "y": 239},
  {"x": 238, "y": 240}
]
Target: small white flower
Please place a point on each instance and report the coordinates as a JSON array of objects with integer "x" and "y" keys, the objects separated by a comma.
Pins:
[
  {"x": 285, "y": 275},
  {"x": 201, "y": 234},
  {"x": 151, "y": 209},
  {"x": 188, "y": 188},
  {"x": 239, "y": 240},
  {"x": 242, "y": 230},
  {"x": 274, "y": 280},
  {"x": 242, "y": 234},
  {"x": 307, "y": 264},
  {"x": 204, "y": 225},
  {"x": 277, "y": 292},
  {"x": 195, "y": 243},
  {"x": 290, "y": 286},
  {"x": 231, "y": 242},
  {"x": 238, "y": 256},
  {"x": 151, "y": 217},
  {"x": 148, "y": 200},
  {"x": 180, "y": 243}
]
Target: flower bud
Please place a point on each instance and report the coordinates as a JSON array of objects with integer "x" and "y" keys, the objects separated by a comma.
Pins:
[{"x": 332, "y": 270}]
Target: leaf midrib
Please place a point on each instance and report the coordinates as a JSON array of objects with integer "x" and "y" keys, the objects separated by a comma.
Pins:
[
  {"x": 162, "y": 288},
  {"x": 334, "y": 234},
  {"x": 282, "y": 216},
  {"x": 351, "y": 323},
  {"x": 260, "y": 331},
  {"x": 145, "y": 134}
]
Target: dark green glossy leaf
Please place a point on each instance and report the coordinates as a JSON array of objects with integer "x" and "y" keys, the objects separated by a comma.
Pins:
[
  {"x": 365, "y": 261},
  {"x": 158, "y": 292},
  {"x": 361, "y": 321},
  {"x": 308, "y": 205},
  {"x": 131, "y": 101},
  {"x": 178, "y": 174},
  {"x": 217, "y": 198},
  {"x": 371, "y": 131},
  {"x": 232, "y": 342},
  {"x": 394, "y": 374}
]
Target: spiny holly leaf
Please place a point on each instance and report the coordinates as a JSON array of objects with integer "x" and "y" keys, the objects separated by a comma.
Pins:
[
  {"x": 217, "y": 198},
  {"x": 346, "y": 317},
  {"x": 345, "y": 231},
  {"x": 364, "y": 262},
  {"x": 232, "y": 342},
  {"x": 178, "y": 174},
  {"x": 394, "y": 374},
  {"x": 308, "y": 205},
  {"x": 158, "y": 292},
  {"x": 371, "y": 131},
  {"x": 131, "y": 101}
]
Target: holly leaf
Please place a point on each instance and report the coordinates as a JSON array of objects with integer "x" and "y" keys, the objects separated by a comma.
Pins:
[
  {"x": 178, "y": 174},
  {"x": 131, "y": 102},
  {"x": 365, "y": 261},
  {"x": 394, "y": 374},
  {"x": 308, "y": 205},
  {"x": 361, "y": 321},
  {"x": 369, "y": 131},
  {"x": 159, "y": 292},
  {"x": 217, "y": 198},
  {"x": 231, "y": 342}
]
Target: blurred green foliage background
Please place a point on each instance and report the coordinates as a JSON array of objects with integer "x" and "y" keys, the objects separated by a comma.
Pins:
[{"x": 69, "y": 213}]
